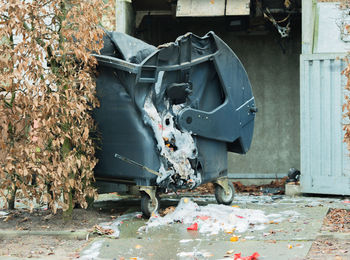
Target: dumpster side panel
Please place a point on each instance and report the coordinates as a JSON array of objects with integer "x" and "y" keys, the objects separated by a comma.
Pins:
[{"x": 121, "y": 130}]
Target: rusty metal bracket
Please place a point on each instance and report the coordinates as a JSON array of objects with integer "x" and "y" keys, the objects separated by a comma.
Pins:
[
  {"x": 223, "y": 182},
  {"x": 151, "y": 192}
]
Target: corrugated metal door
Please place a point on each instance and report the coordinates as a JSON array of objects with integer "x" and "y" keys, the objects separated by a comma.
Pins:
[{"x": 325, "y": 160}]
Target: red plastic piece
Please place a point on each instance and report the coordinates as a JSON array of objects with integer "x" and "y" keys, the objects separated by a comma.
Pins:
[
  {"x": 251, "y": 257},
  {"x": 203, "y": 217},
  {"x": 193, "y": 227}
]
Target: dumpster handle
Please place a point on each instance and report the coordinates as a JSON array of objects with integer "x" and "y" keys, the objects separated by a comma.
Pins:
[{"x": 127, "y": 160}]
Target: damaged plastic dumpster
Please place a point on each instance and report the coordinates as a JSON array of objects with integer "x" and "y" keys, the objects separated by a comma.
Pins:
[{"x": 168, "y": 115}]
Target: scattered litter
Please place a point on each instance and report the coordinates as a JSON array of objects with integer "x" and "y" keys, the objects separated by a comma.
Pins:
[
  {"x": 221, "y": 218},
  {"x": 290, "y": 214},
  {"x": 195, "y": 254},
  {"x": 185, "y": 241},
  {"x": 259, "y": 227},
  {"x": 234, "y": 239},
  {"x": 254, "y": 256},
  {"x": 203, "y": 217},
  {"x": 275, "y": 187},
  {"x": 203, "y": 189},
  {"x": 48, "y": 217},
  {"x": 314, "y": 204},
  {"x": 346, "y": 201},
  {"x": 8, "y": 217},
  {"x": 193, "y": 227},
  {"x": 167, "y": 211},
  {"x": 101, "y": 231},
  {"x": 3, "y": 214},
  {"x": 229, "y": 231},
  {"x": 23, "y": 220},
  {"x": 138, "y": 246},
  {"x": 290, "y": 246},
  {"x": 230, "y": 252},
  {"x": 249, "y": 237}
]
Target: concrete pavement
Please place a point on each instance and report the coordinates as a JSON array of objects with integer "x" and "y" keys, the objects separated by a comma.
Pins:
[{"x": 289, "y": 238}]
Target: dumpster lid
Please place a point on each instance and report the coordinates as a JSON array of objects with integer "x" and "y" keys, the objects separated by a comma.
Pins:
[{"x": 131, "y": 49}]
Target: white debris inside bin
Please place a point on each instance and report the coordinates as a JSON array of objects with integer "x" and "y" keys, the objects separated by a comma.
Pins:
[
  {"x": 213, "y": 218},
  {"x": 176, "y": 146}
]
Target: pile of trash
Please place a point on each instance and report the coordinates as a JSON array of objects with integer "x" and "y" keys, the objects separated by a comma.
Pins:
[{"x": 211, "y": 219}]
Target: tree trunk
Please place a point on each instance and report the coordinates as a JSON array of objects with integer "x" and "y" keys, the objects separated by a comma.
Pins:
[{"x": 11, "y": 201}]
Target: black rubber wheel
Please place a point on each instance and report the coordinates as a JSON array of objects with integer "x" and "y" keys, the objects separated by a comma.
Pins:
[
  {"x": 222, "y": 197},
  {"x": 146, "y": 204}
]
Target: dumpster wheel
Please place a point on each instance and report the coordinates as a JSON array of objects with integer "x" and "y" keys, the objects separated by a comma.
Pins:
[
  {"x": 222, "y": 195},
  {"x": 147, "y": 205}
]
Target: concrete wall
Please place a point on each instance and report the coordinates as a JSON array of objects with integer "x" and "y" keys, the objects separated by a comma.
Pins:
[{"x": 274, "y": 76}]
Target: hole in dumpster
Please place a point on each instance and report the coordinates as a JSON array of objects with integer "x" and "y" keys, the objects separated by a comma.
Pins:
[
  {"x": 175, "y": 147},
  {"x": 189, "y": 120}
]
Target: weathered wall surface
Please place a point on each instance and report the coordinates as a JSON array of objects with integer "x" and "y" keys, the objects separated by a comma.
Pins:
[{"x": 274, "y": 76}]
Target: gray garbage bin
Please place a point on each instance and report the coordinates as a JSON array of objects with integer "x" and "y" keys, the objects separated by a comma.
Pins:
[{"x": 168, "y": 115}]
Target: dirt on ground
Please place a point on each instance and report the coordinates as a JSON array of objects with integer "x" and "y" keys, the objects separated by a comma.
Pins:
[
  {"x": 336, "y": 220},
  {"x": 326, "y": 248},
  {"x": 41, "y": 247},
  {"x": 20, "y": 219},
  {"x": 275, "y": 187},
  {"x": 207, "y": 188},
  {"x": 47, "y": 247}
]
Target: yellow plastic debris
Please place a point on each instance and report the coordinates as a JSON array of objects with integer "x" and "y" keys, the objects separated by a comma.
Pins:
[
  {"x": 186, "y": 200},
  {"x": 290, "y": 246},
  {"x": 234, "y": 239},
  {"x": 138, "y": 246},
  {"x": 235, "y": 206},
  {"x": 230, "y": 231}
]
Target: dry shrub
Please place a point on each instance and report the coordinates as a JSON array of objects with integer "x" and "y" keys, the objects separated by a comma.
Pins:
[
  {"x": 346, "y": 105},
  {"x": 47, "y": 92}
]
